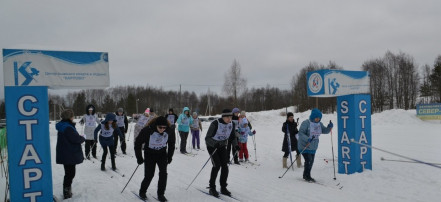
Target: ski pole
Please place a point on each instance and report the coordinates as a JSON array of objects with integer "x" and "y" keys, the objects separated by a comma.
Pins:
[
  {"x": 88, "y": 155},
  {"x": 130, "y": 178},
  {"x": 255, "y": 152},
  {"x": 332, "y": 146},
  {"x": 288, "y": 138},
  {"x": 412, "y": 159},
  {"x": 211, "y": 155},
  {"x": 235, "y": 153},
  {"x": 404, "y": 161},
  {"x": 307, "y": 145}
]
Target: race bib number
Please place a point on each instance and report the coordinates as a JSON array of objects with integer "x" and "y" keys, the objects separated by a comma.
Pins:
[
  {"x": 223, "y": 131},
  {"x": 315, "y": 130},
  {"x": 90, "y": 121},
  {"x": 158, "y": 141}
]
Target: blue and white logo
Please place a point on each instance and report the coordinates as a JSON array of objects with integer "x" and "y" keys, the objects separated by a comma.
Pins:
[
  {"x": 332, "y": 83},
  {"x": 315, "y": 82},
  {"x": 29, "y": 76}
]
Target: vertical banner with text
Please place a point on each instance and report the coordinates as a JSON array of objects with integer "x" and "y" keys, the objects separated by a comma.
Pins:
[
  {"x": 354, "y": 123},
  {"x": 28, "y": 143}
]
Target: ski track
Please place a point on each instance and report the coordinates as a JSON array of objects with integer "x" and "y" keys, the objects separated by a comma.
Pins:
[{"x": 398, "y": 131}]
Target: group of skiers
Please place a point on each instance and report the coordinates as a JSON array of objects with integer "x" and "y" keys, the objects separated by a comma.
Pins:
[{"x": 156, "y": 136}]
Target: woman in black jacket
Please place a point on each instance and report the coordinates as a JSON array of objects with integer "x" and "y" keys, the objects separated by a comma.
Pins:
[
  {"x": 69, "y": 152},
  {"x": 291, "y": 125},
  {"x": 159, "y": 146}
]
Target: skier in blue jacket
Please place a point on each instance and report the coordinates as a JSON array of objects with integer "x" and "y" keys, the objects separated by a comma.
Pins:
[
  {"x": 108, "y": 129},
  {"x": 184, "y": 128},
  {"x": 309, "y": 133}
]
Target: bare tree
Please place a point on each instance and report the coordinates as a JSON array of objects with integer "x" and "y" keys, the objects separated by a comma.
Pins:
[{"x": 234, "y": 82}]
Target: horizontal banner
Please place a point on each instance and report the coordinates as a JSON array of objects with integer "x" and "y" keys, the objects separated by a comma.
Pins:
[
  {"x": 332, "y": 83},
  {"x": 55, "y": 69},
  {"x": 429, "y": 111}
]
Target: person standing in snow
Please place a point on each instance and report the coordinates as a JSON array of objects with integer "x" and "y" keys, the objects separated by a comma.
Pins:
[
  {"x": 68, "y": 149},
  {"x": 195, "y": 126},
  {"x": 220, "y": 132},
  {"x": 91, "y": 121},
  {"x": 183, "y": 128},
  {"x": 309, "y": 133},
  {"x": 243, "y": 115},
  {"x": 231, "y": 149},
  {"x": 159, "y": 147},
  {"x": 123, "y": 123},
  {"x": 142, "y": 122},
  {"x": 244, "y": 131},
  {"x": 109, "y": 130},
  {"x": 291, "y": 125}
]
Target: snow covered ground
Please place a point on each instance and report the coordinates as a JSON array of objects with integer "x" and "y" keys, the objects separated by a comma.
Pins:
[{"x": 398, "y": 131}]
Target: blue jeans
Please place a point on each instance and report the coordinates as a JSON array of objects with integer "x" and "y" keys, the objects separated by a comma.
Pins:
[{"x": 309, "y": 161}]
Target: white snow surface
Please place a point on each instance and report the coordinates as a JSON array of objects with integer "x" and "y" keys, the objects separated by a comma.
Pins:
[{"x": 398, "y": 131}]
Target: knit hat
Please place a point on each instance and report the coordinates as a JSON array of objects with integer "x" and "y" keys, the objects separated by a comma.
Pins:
[
  {"x": 235, "y": 110},
  {"x": 242, "y": 113},
  {"x": 67, "y": 114},
  {"x": 161, "y": 121},
  {"x": 147, "y": 110},
  {"x": 120, "y": 110},
  {"x": 244, "y": 121},
  {"x": 315, "y": 113},
  {"x": 289, "y": 114},
  {"x": 110, "y": 117},
  {"x": 226, "y": 112},
  {"x": 195, "y": 113}
]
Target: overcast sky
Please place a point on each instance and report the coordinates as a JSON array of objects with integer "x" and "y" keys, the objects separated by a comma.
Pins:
[{"x": 194, "y": 42}]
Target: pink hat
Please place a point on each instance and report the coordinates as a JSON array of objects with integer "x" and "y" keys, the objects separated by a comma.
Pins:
[{"x": 147, "y": 111}]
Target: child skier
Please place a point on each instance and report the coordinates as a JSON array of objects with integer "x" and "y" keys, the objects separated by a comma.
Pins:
[
  {"x": 109, "y": 130},
  {"x": 291, "y": 125},
  {"x": 309, "y": 134},
  {"x": 195, "y": 126},
  {"x": 91, "y": 121},
  {"x": 155, "y": 137},
  {"x": 244, "y": 131}
]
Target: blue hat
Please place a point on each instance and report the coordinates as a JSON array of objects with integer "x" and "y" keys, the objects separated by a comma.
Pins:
[
  {"x": 315, "y": 113},
  {"x": 110, "y": 117},
  {"x": 236, "y": 110}
]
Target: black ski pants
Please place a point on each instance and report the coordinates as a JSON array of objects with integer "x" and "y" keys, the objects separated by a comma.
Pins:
[
  {"x": 112, "y": 155},
  {"x": 123, "y": 140},
  {"x": 150, "y": 162},
  {"x": 90, "y": 144},
  {"x": 69, "y": 174},
  {"x": 219, "y": 159},
  {"x": 183, "y": 135},
  {"x": 309, "y": 161}
]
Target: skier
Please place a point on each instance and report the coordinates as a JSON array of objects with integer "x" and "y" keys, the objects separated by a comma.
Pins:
[
  {"x": 91, "y": 121},
  {"x": 69, "y": 152},
  {"x": 229, "y": 148},
  {"x": 244, "y": 131},
  {"x": 243, "y": 115},
  {"x": 291, "y": 125},
  {"x": 109, "y": 130},
  {"x": 123, "y": 123},
  {"x": 309, "y": 132},
  {"x": 183, "y": 128},
  {"x": 220, "y": 132},
  {"x": 195, "y": 126},
  {"x": 155, "y": 137},
  {"x": 142, "y": 122}
]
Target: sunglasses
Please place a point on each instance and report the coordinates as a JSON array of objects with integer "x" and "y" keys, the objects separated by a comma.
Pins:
[{"x": 162, "y": 127}]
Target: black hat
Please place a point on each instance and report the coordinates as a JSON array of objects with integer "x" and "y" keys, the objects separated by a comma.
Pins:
[
  {"x": 170, "y": 110},
  {"x": 226, "y": 112},
  {"x": 289, "y": 114},
  {"x": 161, "y": 121}
]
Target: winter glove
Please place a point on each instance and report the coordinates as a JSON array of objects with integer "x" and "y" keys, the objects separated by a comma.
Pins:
[
  {"x": 254, "y": 132},
  {"x": 169, "y": 159},
  {"x": 140, "y": 161},
  {"x": 330, "y": 125}
]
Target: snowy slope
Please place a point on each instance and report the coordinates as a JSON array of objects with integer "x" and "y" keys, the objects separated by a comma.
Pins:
[{"x": 398, "y": 131}]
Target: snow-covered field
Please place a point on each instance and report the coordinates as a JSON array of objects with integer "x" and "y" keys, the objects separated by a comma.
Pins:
[{"x": 398, "y": 131}]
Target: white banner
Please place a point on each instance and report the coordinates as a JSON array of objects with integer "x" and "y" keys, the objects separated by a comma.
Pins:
[
  {"x": 55, "y": 69},
  {"x": 332, "y": 83}
]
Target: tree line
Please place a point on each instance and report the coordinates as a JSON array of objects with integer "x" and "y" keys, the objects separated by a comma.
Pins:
[{"x": 396, "y": 82}]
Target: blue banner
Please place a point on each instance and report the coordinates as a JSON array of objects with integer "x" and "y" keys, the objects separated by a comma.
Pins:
[
  {"x": 27, "y": 113},
  {"x": 354, "y": 123},
  {"x": 429, "y": 111},
  {"x": 332, "y": 83}
]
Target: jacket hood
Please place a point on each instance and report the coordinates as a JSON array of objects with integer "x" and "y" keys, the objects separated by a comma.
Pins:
[
  {"x": 109, "y": 117},
  {"x": 315, "y": 113},
  {"x": 186, "y": 109},
  {"x": 88, "y": 107},
  {"x": 62, "y": 125}
]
